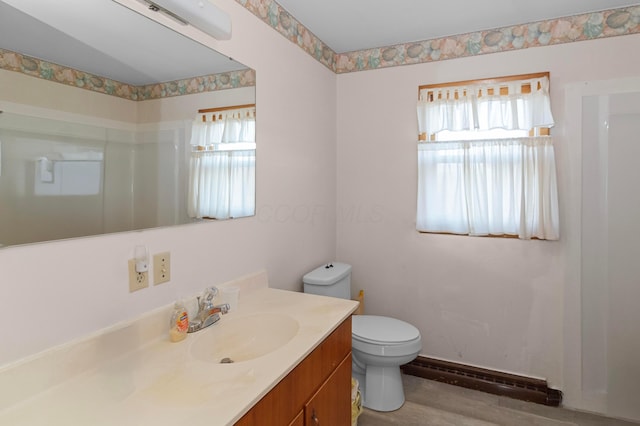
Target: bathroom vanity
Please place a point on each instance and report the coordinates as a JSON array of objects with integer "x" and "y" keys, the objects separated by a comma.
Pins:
[
  {"x": 132, "y": 375},
  {"x": 317, "y": 391}
]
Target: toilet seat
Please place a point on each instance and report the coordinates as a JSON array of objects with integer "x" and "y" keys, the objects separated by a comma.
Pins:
[{"x": 381, "y": 330}]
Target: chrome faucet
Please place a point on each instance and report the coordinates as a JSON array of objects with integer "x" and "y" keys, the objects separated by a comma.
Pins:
[{"x": 208, "y": 313}]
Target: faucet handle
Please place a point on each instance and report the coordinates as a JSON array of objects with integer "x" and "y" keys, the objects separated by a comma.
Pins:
[
  {"x": 208, "y": 295},
  {"x": 224, "y": 308}
]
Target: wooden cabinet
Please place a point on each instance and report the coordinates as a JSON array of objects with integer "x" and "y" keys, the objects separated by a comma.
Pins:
[
  {"x": 299, "y": 420},
  {"x": 316, "y": 392}
]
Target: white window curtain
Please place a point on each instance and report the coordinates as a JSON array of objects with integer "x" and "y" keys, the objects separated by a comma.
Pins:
[
  {"x": 222, "y": 165},
  {"x": 503, "y": 187},
  {"x": 488, "y": 187}
]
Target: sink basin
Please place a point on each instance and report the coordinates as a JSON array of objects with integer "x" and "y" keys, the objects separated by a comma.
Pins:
[{"x": 244, "y": 338}]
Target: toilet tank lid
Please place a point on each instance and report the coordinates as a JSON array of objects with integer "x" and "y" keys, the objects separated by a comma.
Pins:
[{"x": 327, "y": 274}]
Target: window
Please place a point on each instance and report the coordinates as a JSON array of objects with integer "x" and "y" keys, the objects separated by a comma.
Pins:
[
  {"x": 486, "y": 164},
  {"x": 222, "y": 164}
]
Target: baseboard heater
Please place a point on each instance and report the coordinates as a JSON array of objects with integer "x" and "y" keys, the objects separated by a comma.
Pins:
[{"x": 490, "y": 381}]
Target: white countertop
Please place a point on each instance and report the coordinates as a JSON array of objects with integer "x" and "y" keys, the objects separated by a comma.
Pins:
[{"x": 162, "y": 383}]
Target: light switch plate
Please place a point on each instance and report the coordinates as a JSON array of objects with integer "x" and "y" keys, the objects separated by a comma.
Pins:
[{"x": 161, "y": 268}]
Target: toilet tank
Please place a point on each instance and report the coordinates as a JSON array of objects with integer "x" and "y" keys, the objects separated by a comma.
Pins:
[{"x": 332, "y": 279}]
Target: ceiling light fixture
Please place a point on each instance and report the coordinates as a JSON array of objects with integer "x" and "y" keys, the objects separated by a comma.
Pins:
[{"x": 201, "y": 14}]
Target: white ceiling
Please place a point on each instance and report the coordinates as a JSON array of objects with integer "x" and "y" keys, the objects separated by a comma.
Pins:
[{"x": 349, "y": 25}]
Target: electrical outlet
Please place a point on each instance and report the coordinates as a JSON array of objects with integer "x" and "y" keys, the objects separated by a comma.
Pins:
[
  {"x": 137, "y": 280},
  {"x": 161, "y": 268}
]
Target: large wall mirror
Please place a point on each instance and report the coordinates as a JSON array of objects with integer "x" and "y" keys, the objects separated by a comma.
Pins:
[{"x": 112, "y": 122}]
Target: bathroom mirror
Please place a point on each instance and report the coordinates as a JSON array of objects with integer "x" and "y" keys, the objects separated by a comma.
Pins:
[{"x": 98, "y": 104}]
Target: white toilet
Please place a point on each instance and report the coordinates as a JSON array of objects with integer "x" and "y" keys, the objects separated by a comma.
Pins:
[{"x": 380, "y": 344}]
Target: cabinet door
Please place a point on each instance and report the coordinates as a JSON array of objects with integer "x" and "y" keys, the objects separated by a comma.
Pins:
[
  {"x": 331, "y": 405},
  {"x": 285, "y": 401}
]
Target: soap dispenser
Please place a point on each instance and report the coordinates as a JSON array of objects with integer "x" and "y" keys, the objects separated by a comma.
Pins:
[{"x": 179, "y": 324}]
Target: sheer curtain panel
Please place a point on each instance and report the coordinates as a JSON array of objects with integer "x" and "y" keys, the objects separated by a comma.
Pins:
[{"x": 505, "y": 187}]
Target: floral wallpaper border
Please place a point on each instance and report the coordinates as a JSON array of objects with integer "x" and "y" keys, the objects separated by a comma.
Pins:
[
  {"x": 34, "y": 67},
  {"x": 589, "y": 26}
]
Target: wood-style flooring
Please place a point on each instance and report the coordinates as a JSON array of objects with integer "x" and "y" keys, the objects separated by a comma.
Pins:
[{"x": 431, "y": 403}]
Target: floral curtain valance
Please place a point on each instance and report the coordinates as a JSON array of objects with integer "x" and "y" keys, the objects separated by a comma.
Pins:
[{"x": 513, "y": 105}]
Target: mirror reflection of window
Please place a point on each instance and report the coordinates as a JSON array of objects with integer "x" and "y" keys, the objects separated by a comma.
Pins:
[{"x": 222, "y": 164}]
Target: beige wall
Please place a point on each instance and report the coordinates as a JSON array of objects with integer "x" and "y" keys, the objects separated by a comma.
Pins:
[
  {"x": 56, "y": 292},
  {"x": 490, "y": 302}
]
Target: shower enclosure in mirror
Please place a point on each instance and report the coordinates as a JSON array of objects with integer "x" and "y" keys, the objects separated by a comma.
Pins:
[{"x": 100, "y": 113}]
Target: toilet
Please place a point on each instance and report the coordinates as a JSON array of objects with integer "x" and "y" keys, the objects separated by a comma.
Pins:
[{"x": 379, "y": 344}]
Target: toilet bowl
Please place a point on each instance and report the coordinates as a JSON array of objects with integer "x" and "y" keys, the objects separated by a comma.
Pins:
[{"x": 379, "y": 344}]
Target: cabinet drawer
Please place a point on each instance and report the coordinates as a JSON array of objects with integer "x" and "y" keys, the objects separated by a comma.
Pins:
[{"x": 331, "y": 404}]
